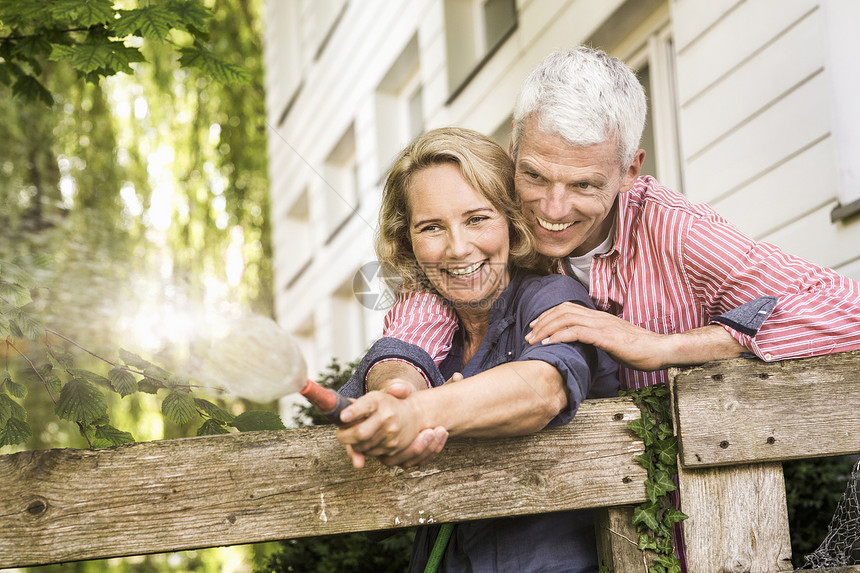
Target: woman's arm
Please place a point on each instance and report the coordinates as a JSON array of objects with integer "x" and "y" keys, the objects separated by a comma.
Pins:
[{"x": 512, "y": 399}]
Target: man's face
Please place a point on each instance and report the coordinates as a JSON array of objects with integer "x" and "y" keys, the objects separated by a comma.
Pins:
[{"x": 568, "y": 193}]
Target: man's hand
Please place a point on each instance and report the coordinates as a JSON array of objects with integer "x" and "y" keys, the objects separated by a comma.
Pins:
[{"x": 628, "y": 344}]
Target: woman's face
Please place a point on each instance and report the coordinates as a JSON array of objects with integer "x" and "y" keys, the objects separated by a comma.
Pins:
[{"x": 460, "y": 240}]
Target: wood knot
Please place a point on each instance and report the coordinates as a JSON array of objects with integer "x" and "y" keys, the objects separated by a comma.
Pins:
[
  {"x": 626, "y": 479},
  {"x": 724, "y": 444},
  {"x": 534, "y": 479},
  {"x": 771, "y": 440},
  {"x": 37, "y": 507},
  {"x": 619, "y": 416},
  {"x": 764, "y": 375},
  {"x": 717, "y": 377}
]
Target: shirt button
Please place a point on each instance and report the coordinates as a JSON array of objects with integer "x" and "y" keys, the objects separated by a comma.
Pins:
[{"x": 768, "y": 356}]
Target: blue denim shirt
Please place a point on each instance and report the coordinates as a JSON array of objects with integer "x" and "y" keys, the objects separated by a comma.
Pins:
[{"x": 562, "y": 541}]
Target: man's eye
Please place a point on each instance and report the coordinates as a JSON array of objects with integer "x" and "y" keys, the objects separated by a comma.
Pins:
[{"x": 583, "y": 185}]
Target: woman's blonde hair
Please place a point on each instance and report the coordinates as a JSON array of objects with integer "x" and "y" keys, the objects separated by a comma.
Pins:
[{"x": 484, "y": 165}]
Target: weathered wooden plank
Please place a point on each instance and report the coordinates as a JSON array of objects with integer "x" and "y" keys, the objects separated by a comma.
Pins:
[
  {"x": 738, "y": 519},
  {"x": 65, "y": 505},
  {"x": 617, "y": 541},
  {"x": 742, "y": 411}
]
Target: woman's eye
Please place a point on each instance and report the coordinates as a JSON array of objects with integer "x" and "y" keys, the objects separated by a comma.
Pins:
[
  {"x": 429, "y": 228},
  {"x": 477, "y": 219}
]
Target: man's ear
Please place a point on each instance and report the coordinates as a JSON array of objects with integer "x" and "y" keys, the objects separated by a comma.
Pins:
[{"x": 633, "y": 170}]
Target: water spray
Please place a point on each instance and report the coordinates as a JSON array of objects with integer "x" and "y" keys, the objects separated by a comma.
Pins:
[{"x": 253, "y": 358}]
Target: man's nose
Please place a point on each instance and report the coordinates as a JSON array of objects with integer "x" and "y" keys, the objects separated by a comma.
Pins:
[{"x": 555, "y": 203}]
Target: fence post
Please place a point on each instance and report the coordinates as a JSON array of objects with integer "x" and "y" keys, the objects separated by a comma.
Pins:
[
  {"x": 738, "y": 516},
  {"x": 738, "y": 519}
]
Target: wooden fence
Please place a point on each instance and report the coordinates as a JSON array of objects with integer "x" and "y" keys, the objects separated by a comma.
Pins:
[{"x": 736, "y": 420}]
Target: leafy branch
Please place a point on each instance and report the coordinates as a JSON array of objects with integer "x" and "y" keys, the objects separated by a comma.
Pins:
[
  {"x": 78, "y": 394},
  {"x": 93, "y": 37}
]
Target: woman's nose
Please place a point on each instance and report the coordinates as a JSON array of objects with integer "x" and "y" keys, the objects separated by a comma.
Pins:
[{"x": 459, "y": 244}]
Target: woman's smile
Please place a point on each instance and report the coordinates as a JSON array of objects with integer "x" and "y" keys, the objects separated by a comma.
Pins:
[{"x": 460, "y": 240}]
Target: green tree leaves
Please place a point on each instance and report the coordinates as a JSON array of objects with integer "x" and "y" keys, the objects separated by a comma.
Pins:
[
  {"x": 105, "y": 57},
  {"x": 81, "y": 402},
  {"x": 151, "y": 22},
  {"x": 15, "y": 431},
  {"x": 178, "y": 407},
  {"x": 122, "y": 381},
  {"x": 213, "y": 67},
  {"x": 257, "y": 420},
  {"x": 91, "y": 36}
]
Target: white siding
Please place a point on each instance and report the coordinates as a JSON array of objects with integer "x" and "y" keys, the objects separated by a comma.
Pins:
[
  {"x": 754, "y": 88},
  {"x": 756, "y": 123}
]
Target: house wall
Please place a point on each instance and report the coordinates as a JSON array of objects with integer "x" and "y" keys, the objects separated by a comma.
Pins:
[
  {"x": 747, "y": 114},
  {"x": 756, "y": 123}
]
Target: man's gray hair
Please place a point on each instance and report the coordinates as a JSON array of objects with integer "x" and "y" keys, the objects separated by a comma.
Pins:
[{"x": 586, "y": 97}]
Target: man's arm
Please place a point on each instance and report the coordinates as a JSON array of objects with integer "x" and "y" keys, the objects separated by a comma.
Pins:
[
  {"x": 630, "y": 345},
  {"x": 422, "y": 319}
]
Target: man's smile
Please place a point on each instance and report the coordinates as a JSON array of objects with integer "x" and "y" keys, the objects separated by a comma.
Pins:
[{"x": 552, "y": 226}]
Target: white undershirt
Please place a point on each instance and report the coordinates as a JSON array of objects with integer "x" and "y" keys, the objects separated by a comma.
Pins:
[{"x": 581, "y": 265}]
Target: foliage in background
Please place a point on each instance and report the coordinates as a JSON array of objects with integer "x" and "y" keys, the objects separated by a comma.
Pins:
[
  {"x": 146, "y": 189},
  {"x": 148, "y": 193},
  {"x": 99, "y": 40},
  {"x": 77, "y": 393},
  {"x": 347, "y": 552},
  {"x": 813, "y": 489}
]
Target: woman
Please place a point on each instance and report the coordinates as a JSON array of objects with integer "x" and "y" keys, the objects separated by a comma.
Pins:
[{"x": 449, "y": 225}]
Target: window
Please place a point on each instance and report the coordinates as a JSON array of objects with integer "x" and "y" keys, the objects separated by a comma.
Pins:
[
  {"x": 654, "y": 64},
  {"x": 399, "y": 106},
  {"x": 341, "y": 183},
  {"x": 474, "y": 31},
  {"x": 502, "y": 133},
  {"x": 320, "y": 18},
  {"x": 347, "y": 328},
  {"x": 297, "y": 227},
  {"x": 841, "y": 65}
]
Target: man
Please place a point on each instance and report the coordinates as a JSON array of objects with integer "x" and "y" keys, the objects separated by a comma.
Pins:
[{"x": 674, "y": 283}]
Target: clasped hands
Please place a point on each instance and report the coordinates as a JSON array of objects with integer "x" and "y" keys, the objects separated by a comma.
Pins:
[{"x": 387, "y": 424}]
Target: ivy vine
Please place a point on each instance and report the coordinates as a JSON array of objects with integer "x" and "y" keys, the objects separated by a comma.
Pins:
[{"x": 655, "y": 518}]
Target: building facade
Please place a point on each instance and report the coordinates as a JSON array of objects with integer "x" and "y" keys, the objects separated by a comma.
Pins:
[{"x": 751, "y": 110}]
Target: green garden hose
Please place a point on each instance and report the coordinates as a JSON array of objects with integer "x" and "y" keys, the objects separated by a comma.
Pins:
[{"x": 439, "y": 548}]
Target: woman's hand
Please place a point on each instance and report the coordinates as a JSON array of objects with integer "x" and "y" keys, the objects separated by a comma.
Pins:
[{"x": 387, "y": 425}]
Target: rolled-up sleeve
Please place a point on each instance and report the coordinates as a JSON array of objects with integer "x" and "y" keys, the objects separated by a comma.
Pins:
[
  {"x": 386, "y": 348},
  {"x": 573, "y": 362},
  {"x": 578, "y": 364}
]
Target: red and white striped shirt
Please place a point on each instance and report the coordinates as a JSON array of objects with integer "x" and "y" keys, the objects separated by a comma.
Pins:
[{"x": 676, "y": 266}]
